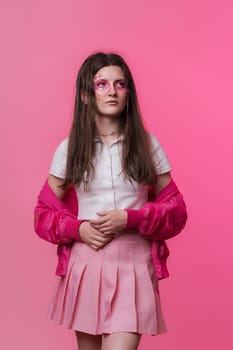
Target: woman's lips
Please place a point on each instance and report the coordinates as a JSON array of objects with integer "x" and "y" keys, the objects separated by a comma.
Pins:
[{"x": 112, "y": 102}]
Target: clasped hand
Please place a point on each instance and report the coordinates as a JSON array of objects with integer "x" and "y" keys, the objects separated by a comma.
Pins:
[{"x": 97, "y": 233}]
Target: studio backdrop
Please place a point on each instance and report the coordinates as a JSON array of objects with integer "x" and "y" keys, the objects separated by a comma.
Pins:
[{"x": 180, "y": 53}]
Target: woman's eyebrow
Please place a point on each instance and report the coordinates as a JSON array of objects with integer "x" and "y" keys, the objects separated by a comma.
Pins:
[
  {"x": 101, "y": 79},
  {"x": 115, "y": 81},
  {"x": 97, "y": 77}
]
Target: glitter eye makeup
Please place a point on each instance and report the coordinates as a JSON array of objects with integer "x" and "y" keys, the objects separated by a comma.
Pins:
[{"x": 103, "y": 85}]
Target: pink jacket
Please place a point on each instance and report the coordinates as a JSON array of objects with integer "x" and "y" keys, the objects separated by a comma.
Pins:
[{"x": 164, "y": 217}]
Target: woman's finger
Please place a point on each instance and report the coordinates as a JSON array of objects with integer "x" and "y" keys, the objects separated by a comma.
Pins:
[
  {"x": 94, "y": 247},
  {"x": 97, "y": 245},
  {"x": 107, "y": 226},
  {"x": 98, "y": 221},
  {"x": 109, "y": 233},
  {"x": 98, "y": 238}
]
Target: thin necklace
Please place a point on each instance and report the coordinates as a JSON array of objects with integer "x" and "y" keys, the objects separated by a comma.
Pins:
[{"x": 110, "y": 134}]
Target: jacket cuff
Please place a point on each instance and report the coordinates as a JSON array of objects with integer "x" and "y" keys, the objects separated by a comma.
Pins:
[
  {"x": 72, "y": 228},
  {"x": 135, "y": 218}
]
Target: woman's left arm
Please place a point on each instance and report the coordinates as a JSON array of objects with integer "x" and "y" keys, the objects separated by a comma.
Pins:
[
  {"x": 165, "y": 216},
  {"x": 162, "y": 218},
  {"x": 162, "y": 181}
]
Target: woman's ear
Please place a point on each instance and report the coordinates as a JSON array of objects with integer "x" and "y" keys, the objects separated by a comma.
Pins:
[{"x": 84, "y": 97}]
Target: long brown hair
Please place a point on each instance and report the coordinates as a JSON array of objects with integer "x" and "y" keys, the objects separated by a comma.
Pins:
[{"x": 137, "y": 163}]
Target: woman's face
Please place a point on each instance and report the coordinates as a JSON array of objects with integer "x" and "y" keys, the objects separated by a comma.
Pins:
[{"x": 110, "y": 91}]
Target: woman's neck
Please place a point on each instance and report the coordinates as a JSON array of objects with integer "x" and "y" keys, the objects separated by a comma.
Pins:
[{"x": 107, "y": 128}]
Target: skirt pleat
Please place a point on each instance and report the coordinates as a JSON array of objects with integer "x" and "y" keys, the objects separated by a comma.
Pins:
[{"x": 110, "y": 290}]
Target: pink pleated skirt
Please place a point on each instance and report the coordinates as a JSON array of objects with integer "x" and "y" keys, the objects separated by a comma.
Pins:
[{"x": 110, "y": 290}]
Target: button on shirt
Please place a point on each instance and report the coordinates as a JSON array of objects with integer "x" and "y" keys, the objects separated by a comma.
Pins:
[{"x": 109, "y": 189}]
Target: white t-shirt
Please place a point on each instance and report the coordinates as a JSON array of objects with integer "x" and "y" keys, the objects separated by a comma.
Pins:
[{"x": 109, "y": 189}]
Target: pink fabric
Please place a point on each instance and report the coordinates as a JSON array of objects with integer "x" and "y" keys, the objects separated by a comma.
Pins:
[
  {"x": 110, "y": 290},
  {"x": 161, "y": 219},
  {"x": 56, "y": 221}
]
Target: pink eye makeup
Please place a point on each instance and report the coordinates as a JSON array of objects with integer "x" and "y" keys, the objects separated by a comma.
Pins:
[
  {"x": 121, "y": 84},
  {"x": 103, "y": 85}
]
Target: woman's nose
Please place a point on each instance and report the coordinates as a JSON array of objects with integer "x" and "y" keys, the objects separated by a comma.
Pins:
[{"x": 112, "y": 89}]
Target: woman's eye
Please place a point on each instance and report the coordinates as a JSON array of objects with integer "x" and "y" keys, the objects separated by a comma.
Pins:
[
  {"x": 100, "y": 85},
  {"x": 121, "y": 84}
]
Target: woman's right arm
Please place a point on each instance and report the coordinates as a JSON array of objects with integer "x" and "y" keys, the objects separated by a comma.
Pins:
[
  {"x": 53, "y": 220},
  {"x": 55, "y": 183},
  {"x": 61, "y": 225}
]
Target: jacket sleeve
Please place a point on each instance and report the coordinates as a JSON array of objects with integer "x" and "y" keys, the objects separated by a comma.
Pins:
[
  {"x": 161, "y": 219},
  {"x": 56, "y": 226},
  {"x": 56, "y": 220}
]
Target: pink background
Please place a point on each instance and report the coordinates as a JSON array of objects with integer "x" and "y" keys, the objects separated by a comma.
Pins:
[{"x": 181, "y": 55}]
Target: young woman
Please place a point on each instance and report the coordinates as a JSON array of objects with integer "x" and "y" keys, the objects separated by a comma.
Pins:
[{"x": 95, "y": 206}]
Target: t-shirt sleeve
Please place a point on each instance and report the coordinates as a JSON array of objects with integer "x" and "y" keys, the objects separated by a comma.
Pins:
[
  {"x": 161, "y": 161},
  {"x": 58, "y": 165}
]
